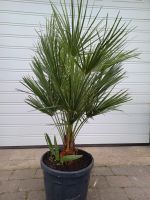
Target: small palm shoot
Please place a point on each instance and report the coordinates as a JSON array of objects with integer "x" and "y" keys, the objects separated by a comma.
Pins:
[
  {"x": 55, "y": 155},
  {"x": 78, "y": 63}
]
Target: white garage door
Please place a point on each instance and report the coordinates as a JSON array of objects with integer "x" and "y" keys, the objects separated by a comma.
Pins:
[{"x": 19, "y": 125}]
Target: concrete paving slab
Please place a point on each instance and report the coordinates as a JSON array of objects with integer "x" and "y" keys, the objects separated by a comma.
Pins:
[
  {"x": 13, "y": 196},
  {"x": 23, "y": 174},
  {"x": 138, "y": 193},
  {"x": 119, "y": 181}
]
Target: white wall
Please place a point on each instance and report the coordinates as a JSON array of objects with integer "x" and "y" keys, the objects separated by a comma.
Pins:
[{"x": 21, "y": 126}]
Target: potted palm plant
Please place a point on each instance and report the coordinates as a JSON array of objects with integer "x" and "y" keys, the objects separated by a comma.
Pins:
[{"x": 76, "y": 66}]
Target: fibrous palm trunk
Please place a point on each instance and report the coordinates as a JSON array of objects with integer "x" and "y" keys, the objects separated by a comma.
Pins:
[{"x": 69, "y": 145}]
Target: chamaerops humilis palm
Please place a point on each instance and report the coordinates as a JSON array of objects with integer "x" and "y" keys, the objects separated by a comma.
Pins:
[{"x": 77, "y": 64}]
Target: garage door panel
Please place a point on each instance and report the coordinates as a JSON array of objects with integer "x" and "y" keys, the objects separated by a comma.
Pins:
[
  {"x": 110, "y": 118},
  {"x": 81, "y": 139},
  {"x": 42, "y": 9},
  {"x": 16, "y": 41},
  {"x": 29, "y": 53},
  {"x": 30, "y": 41},
  {"x": 22, "y": 140},
  {"x": 26, "y": 7},
  {"x": 11, "y": 98},
  {"x": 132, "y": 88},
  {"x": 15, "y": 38},
  {"x": 8, "y": 65},
  {"x": 10, "y": 86},
  {"x": 88, "y": 129},
  {"x": 23, "y": 108},
  {"x": 122, "y": 118},
  {"x": 141, "y": 45},
  {"x": 26, "y": 18},
  {"x": 113, "y": 139},
  {"x": 130, "y": 77},
  {"x": 27, "y": 31},
  {"x": 137, "y": 67},
  {"x": 17, "y": 109},
  {"x": 14, "y": 75},
  {"x": 22, "y": 53}
]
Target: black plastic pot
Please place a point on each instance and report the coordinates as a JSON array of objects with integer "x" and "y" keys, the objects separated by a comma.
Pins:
[{"x": 62, "y": 185}]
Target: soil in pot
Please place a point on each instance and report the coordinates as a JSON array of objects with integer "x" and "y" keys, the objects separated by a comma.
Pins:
[{"x": 75, "y": 165}]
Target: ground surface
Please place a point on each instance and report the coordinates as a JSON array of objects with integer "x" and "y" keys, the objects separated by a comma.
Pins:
[{"x": 120, "y": 173}]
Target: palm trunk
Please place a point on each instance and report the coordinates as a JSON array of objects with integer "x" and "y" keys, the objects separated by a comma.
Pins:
[{"x": 69, "y": 145}]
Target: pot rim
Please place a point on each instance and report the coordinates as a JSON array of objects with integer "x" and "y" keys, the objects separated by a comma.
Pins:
[{"x": 59, "y": 172}]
